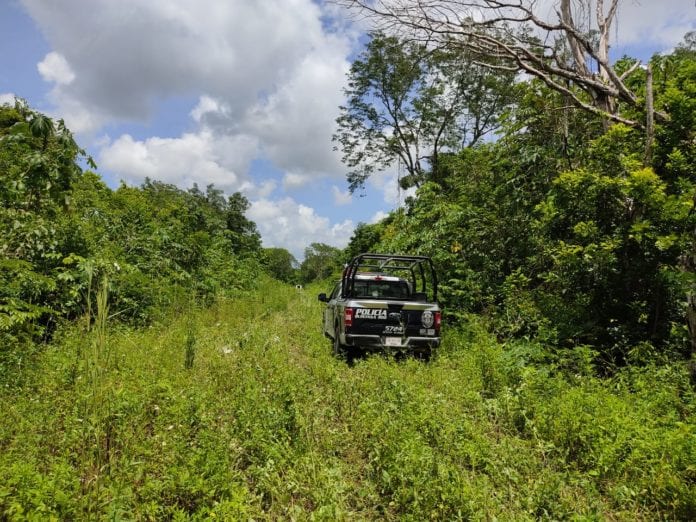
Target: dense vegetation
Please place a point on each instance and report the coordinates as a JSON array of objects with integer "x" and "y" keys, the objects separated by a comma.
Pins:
[
  {"x": 156, "y": 364},
  {"x": 239, "y": 411},
  {"x": 565, "y": 229},
  {"x": 65, "y": 234}
]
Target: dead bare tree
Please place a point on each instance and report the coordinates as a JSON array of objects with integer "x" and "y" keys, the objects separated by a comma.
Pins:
[{"x": 558, "y": 51}]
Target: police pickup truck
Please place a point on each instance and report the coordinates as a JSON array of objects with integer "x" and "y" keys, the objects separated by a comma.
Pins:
[{"x": 384, "y": 302}]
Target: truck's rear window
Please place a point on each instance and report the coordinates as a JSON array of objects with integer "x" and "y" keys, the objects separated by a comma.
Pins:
[{"x": 386, "y": 289}]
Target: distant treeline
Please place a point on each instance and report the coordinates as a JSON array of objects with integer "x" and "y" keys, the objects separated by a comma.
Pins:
[{"x": 65, "y": 234}]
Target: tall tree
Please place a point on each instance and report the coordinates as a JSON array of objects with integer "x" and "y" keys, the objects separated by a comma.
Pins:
[
  {"x": 321, "y": 260},
  {"x": 560, "y": 230},
  {"x": 280, "y": 263},
  {"x": 364, "y": 239},
  {"x": 563, "y": 51},
  {"x": 407, "y": 102},
  {"x": 244, "y": 235}
]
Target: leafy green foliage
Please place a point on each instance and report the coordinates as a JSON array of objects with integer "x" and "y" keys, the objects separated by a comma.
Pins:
[
  {"x": 267, "y": 424},
  {"x": 320, "y": 262},
  {"x": 65, "y": 230},
  {"x": 559, "y": 391},
  {"x": 560, "y": 231},
  {"x": 38, "y": 161},
  {"x": 407, "y": 103},
  {"x": 281, "y": 264},
  {"x": 612, "y": 237},
  {"x": 364, "y": 239}
]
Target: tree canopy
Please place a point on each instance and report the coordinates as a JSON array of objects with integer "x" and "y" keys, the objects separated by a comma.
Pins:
[
  {"x": 407, "y": 103},
  {"x": 320, "y": 262},
  {"x": 64, "y": 233},
  {"x": 563, "y": 229}
]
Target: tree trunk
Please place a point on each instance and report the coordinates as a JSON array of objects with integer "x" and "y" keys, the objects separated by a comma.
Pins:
[
  {"x": 691, "y": 323},
  {"x": 605, "y": 104},
  {"x": 650, "y": 120},
  {"x": 575, "y": 45},
  {"x": 688, "y": 265}
]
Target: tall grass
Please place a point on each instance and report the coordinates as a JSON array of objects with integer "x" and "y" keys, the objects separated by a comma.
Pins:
[
  {"x": 190, "y": 346},
  {"x": 268, "y": 425},
  {"x": 95, "y": 415}
]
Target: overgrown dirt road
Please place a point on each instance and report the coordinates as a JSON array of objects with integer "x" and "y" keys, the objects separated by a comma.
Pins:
[{"x": 240, "y": 412}]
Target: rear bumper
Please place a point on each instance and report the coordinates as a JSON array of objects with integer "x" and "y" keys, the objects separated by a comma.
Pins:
[{"x": 378, "y": 342}]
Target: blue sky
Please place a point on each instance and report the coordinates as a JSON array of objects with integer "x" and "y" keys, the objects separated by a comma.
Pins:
[{"x": 237, "y": 93}]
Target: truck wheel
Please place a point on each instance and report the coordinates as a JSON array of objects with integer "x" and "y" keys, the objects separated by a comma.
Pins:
[{"x": 338, "y": 349}]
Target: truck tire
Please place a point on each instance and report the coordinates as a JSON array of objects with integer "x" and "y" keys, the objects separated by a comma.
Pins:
[{"x": 339, "y": 350}]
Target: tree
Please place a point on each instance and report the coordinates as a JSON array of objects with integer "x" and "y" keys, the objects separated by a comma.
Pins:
[
  {"x": 321, "y": 260},
  {"x": 608, "y": 253},
  {"x": 62, "y": 230},
  {"x": 559, "y": 231},
  {"x": 38, "y": 169},
  {"x": 406, "y": 102},
  {"x": 39, "y": 160},
  {"x": 244, "y": 235},
  {"x": 561, "y": 51},
  {"x": 364, "y": 239},
  {"x": 280, "y": 263}
]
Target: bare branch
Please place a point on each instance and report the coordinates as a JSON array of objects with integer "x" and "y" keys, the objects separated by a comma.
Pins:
[
  {"x": 628, "y": 71},
  {"x": 504, "y": 35},
  {"x": 576, "y": 44}
]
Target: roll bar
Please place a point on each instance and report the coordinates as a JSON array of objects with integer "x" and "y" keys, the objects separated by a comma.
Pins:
[{"x": 420, "y": 270}]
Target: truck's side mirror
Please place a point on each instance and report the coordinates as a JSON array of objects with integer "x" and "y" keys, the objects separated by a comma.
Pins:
[{"x": 323, "y": 298}]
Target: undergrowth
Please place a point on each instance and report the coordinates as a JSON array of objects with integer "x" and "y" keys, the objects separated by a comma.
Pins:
[{"x": 239, "y": 411}]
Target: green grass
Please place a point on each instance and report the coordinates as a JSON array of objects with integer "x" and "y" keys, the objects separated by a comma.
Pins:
[{"x": 239, "y": 411}]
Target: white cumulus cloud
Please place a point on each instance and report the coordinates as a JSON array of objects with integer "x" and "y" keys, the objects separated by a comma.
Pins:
[
  {"x": 206, "y": 105},
  {"x": 192, "y": 158},
  {"x": 294, "y": 180},
  {"x": 56, "y": 69},
  {"x": 273, "y": 70},
  {"x": 387, "y": 182},
  {"x": 378, "y": 216},
  {"x": 661, "y": 25},
  {"x": 291, "y": 225}
]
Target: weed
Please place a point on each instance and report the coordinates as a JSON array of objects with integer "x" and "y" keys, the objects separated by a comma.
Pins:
[
  {"x": 190, "y": 347},
  {"x": 268, "y": 425}
]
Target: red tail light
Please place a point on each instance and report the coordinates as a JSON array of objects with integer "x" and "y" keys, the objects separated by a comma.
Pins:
[
  {"x": 438, "y": 319},
  {"x": 348, "y": 317}
]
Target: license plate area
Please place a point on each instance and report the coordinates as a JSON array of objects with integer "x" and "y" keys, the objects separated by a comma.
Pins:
[{"x": 392, "y": 341}]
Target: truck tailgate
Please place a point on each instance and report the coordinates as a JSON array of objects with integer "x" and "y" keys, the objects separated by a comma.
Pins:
[{"x": 393, "y": 319}]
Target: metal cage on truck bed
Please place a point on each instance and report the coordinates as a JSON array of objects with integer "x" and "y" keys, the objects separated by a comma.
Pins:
[{"x": 417, "y": 270}]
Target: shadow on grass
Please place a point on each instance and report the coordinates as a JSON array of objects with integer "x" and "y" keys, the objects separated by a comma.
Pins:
[{"x": 352, "y": 356}]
